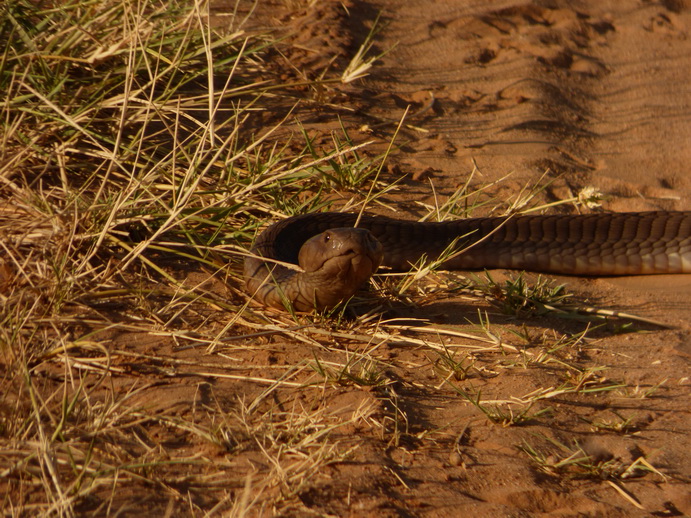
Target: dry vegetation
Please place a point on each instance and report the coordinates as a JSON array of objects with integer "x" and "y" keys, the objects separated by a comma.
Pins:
[{"x": 140, "y": 154}]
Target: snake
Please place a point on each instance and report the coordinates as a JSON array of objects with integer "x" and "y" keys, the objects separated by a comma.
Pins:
[{"x": 317, "y": 260}]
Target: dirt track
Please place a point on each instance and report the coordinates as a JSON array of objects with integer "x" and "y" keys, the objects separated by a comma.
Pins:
[
  {"x": 589, "y": 93},
  {"x": 598, "y": 92},
  {"x": 593, "y": 95}
]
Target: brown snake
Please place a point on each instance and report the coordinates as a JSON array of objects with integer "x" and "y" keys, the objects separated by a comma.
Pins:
[{"x": 336, "y": 259}]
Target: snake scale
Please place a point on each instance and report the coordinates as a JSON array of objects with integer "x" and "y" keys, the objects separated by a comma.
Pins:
[{"x": 336, "y": 259}]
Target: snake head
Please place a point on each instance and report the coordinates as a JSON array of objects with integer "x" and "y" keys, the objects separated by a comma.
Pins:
[{"x": 336, "y": 264}]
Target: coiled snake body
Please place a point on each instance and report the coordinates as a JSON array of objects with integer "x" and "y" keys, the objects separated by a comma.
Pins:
[{"x": 336, "y": 259}]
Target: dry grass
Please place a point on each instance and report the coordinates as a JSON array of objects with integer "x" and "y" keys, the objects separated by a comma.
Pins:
[
  {"x": 138, "y": 146},
  {"x": 141, "y": 152}
]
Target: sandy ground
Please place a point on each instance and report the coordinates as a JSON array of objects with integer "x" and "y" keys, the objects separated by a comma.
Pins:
[
  {"x": 577, "y": 94},
  {"x": 587, "y": 93},
  {"x": 596, "y": 94}
]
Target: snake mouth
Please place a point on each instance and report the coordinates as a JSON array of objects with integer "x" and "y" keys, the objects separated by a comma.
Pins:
[
  {"x": 368, "y": 259},
  {"x": 350, "y": 258}
]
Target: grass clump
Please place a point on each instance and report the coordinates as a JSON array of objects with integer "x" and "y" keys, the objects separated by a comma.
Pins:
[
  {"x": 579, "y": 462},
  {"x": 140, "y": 151},
  {"x": 519, "y": 298}
]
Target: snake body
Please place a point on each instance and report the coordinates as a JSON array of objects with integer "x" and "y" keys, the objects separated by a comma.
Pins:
[{"x": 337, "y": 259}]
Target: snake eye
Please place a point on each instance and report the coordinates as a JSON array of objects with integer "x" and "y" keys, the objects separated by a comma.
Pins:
[{"x": 327, "y": 237}]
